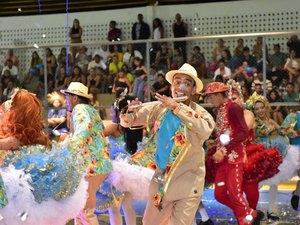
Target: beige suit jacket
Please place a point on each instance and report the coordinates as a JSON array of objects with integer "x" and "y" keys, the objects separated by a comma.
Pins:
[{"x": 188, "y": 176}]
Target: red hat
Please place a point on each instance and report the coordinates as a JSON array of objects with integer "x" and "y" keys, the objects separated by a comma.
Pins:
[{"x": 215, "y": 87}]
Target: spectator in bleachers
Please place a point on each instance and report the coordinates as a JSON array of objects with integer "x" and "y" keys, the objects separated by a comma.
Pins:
[
  {"x": 161, "y": 86},
  {"x": 219, "y": 78},
  {"x": 104, "y": 53},
  {"x": 217, "y": 55},
  {"x": 152, "y": 75},
  {"x": 96, "y": 103},
  {"x": 291, "y": 96},
  {"x": 292, "y": 65},
  {"x": 244, "y": 75},
  {"x": 94, "y": 81},
  {"x": 177, "y": 59},
  {"x": 130, "y": 54},
  {"x": 158, "y": 29},
  {"x": 12, "y": 69},
  {"x": 252, "y": 62},
  {"x": 35, "y": 64},
  {"x": 276, "y": 66},
  {"x": 257, "y": 87},
  {"x": 294, "y": 44},
  {"x": 163, "y": 57},
  {"x": 57, "y": 115},
  {"x": 197, "y": 60},
  {"x": 114, "y": 34},
  {"x": 278, "y": 113},
  {"x": 120, "y": 84},
  {"x": 6, "y": 76},
  {"x": 9, "y": 90},
  {"x": 78, "y": 76},
  {"x": 222, "y": 70},
  {"x": 229, "y": 61},
  {"x": 10, "y": 55},
  {"x": 245, "y": 92},
  {"x": 62, "y": 81},
  {"x": 282, "y": 86},
  {"x": 129, "y": 75},
  {"x": 117, "y": 52},
  {"x": 40, "y": 88},
  {"x": 140, "y": 73},
  {"x": 239, "y": 49},
  {"x": 82, "y": 59},
  {"x": 140, "y": 31},
  {"x": 257, "y": 47},
  {"x": 62, "y": 62},
  {"x": 180, "y": 29},
  {"x": 97, "y": 63},
  {"x": 114, "y": 68},
  {"x": 75, "y": 34},
  {"x": 278, "y": 59},
  {"x": 51, "y": 62},
  {"x": 258, "y": 81}
]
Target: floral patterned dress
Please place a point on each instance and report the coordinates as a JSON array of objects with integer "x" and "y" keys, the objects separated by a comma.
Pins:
[{"x": 88, "y": 132}]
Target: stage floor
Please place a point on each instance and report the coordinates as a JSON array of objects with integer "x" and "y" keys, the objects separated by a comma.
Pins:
[{"x": 221, "y": 215}]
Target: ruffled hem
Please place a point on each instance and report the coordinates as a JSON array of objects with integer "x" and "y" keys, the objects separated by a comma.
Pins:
[
  {"x": 131, "y": 178},
  {"x": 261, "y": 163},
  {"x": 23, "y": 209}
]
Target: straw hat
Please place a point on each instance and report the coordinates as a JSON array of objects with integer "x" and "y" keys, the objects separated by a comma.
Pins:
[
  {"x": 215, "y": 87},
  {"x": 186, "y": 69},
  {"x": 77, "y": 88}
]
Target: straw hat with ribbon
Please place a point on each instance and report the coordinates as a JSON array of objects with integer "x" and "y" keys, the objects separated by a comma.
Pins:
[{"x": 186, "y": 69}]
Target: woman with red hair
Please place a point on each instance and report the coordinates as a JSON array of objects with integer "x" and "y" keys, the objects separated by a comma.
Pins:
[
  {"x": 23, "y": 124},
  {"x": 41, "y": 177}
]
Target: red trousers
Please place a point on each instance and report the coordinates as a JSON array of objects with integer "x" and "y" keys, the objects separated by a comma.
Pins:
[
  {"x": 228, "y": 190},
  {"x": 252, "y": 194}
]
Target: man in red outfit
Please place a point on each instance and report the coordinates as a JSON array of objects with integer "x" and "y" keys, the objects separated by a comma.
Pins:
[{"x": 231, "y": 130}]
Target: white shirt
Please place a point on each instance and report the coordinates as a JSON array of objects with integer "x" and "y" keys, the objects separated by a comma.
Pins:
[
  {"x": 156, "y": 33},
  {"x": 127, "y": 56},
  {"x": 93, "y": 64},
  {"x": 13, "y": 70},
  {"x": 227, "y": 72},
  {"x": 103, "y": 54}
]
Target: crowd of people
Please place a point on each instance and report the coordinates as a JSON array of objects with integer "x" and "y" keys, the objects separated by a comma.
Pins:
[
  {"x": 167, "y": 157},
  {"x": 171, "y": 131}
]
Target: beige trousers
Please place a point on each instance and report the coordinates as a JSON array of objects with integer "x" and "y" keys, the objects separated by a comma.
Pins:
[{"x": 179, "y": 212}]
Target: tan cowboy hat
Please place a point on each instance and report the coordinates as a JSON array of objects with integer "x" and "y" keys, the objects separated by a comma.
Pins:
[
  {"x": 186, "y": 69},
  {"x": 77, "y": 88}
]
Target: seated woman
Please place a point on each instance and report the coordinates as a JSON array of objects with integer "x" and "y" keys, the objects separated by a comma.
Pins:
[
  {"x": 62, "y": 81},
  {"x": 42, "y": 179},
  {"x": 57, "y": 123},
  {"x": 94, "y": 81},
  {"x": 35, "y": 65},
  {"x": 121, "y": 82},
  {"x": 292, "y": 66}
]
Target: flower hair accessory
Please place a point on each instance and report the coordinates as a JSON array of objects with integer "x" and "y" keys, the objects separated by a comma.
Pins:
[
  {"x": 234, "y": 86},
  {"x": 256, "y": 98}
]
